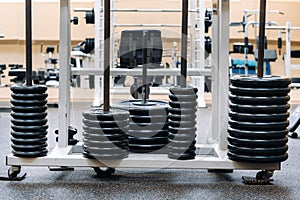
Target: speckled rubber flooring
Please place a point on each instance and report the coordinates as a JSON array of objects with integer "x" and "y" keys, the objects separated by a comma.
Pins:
[{"x": 41, "y": 183}]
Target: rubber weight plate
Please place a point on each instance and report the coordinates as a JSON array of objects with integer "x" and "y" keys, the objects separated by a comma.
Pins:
[
  {"x": 183, "y": 91},
  {"x": 257, "y": 159},
  {"x": 104, "y": 137},
  {"x": 148, "y": 140},
  {"x": 29, "y": 128},
  {"x": 183, "y": 98},
  {"x": 145, "y": 148},
  {"x": 28, "y": 141},
  {"x": 181, "y": 156},
  {"x": 32, "y": 154},
  {"x": 24, "y": 135},
  {"x": 248, "y": 100},
  {"x": 257, "y": 82},
  {"x": 265, "y": 135},
  {"x": 149, "y": 119},
  {"x": 186, "y": 117},
  {"x": 28, "y": 102},
  {"x": 29, "y": 109},
  {"x": 105, "y": 124},
  {"x": 29, "y": 122},
  {"x": 33, "y": 97},
  {"x": 244, "y": 117},
  {"x": 100, "y": 115},
  {"x": 259, "y": 92},
  {"x": 25, "y": 89},
  {"x": 182, "y": 124},
  {"x": 252, "y": 109},
  {"x": 176, "y": 130},
  {"x": 256, "y": 143},
  {"x": 182, "y": 137},
  {"x": 261, "y": 126},
  {"x": 182, "y": 111},
  {"x": 30, "y": 148},
  {"x": 274, "y": 151},
  {"x": 180, "y": 104},
  {"x": 109, "y": 131},
  {"x": 148, "y": 133},
  {"x": 41, "y": 115},
  {"x": 106, "y": 144}
]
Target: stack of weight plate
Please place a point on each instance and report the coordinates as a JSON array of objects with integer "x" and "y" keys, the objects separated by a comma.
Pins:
[
  {"x": 29, "y": 123},
  {"x": 258, "y": 119},
  {"x": 105, "y": 134},
  {"x": 148, "y": 125},
  {"x": 182, "y": 122}
]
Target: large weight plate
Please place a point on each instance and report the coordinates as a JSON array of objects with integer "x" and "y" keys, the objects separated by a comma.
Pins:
[
  {"x": 39, "y": 97},
  {"x": 257, "y": 134},
  {"x": 106, "y": 144},
  {"x": 104, "y": 137},
  {"x": 148, "y": 133},
  {"x": 117, "y": 156},
  {"x": 183, "y": 98},
  {"x": 182, "y": 124},
  {"x": 103, "y": 150},
  {"x": 257, "y": 159},
  {"x": 256, "y": 82},
  {"x": 29, "y": 128},
  {"x": 29, "y": 122},
  {"x": 152, "y": 107},
  {"x": 29, "y": 134},
  {"x": 252, "y": 109},
  {"x": 145, "y": 148},
  {"x": 182, "y": 111},
  {"x": 256, "y": 143},
  {"x": 176, "y": 130},
  {"x": 28, "y": 148},
  {"x": 185, "y": 117},
  {"x": 41, "y": 115},
  {"x": 248, "y": 151},
  {"x": 175, "y": 149},
  {"x": 248, "y": 100},
  {"x": 100, "y": 115},
  {"x": 29, "y": 103},
  {"x": 179, "y": 104},
  {"x": 98, "y": 130},
  {"x": 28, "y": 109},
  {"x": 105, "y": 124},
  {"x": 182, "y": 137},
  {"x": 183, "y": 91},
  {"x": 25, "y": 89},
  {"x": 183, "y": 143},
  {"x": 32, "y": 154},
  {"x": 244, "y": 117},
  {"x": 149, "y": 119},
  {"x": 261, "y": 126},
  {"x": 28, "y": 141},
  {"x": 259, "y": 92},
  {"x": 181, "y": 156},
  {"x": 148, "y": 140}
]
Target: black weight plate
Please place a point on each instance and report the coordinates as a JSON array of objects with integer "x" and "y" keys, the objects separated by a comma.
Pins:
[
  {"x": 28, "y": 109},
  {"x": 29, "y": 141},
  {"x": 29, "y": 103},
  {"x": 179, "y": 104},
  {"x": 259, "y": 109},
  {"x": 105, "y": 144},
  {"x": 26, "y": 148},
  {"x": 182, "y": 124},
  {"x": 183, "y": 98},
  {"x": 256, "y": 82},
  {"x": 25, "y": 89},
  {"x": 181, "y": 156},
  {"x": 183, "y": 91},
  {"x": 105, "y": 124},
  {"x": 39, "y": 97},
  {"x": 29, "y": 128},
  {"x": 240, "y": 142},
  {"x": 143, "y": 148},
  {"x": 104, "y": 137},
  {"x": 29, "y": 134},
  {"x": 182, "y": 111},
  {"x": 257, "y": 134},
  {"x": 185, "y": 117},
  {"x": 248, "y": 100},
  {"x": 102, "y": 150},
  {"x": 100, "y": 115},
  {"x": 41, "y": 115},
  {"x": 152, "y": 107},
  {"x": 148, "y": 133},
  {"x": 261, "y": 126},
  {"x": 29, "y": 122},
  {"x": 149, "y": 119},
  {"x": 175, "y": 149},
  {"x": 176, "y": 130},
  {"x": 270, "y": 151},
  {"x": 259, "y": 92},
  {"x": 150, "y": 127},
  {"x": 148, "y": 140},
  {"x": 98, "y": 130},
  {"x": 181, "y": 136},
  {"x": 244, "y": 117},
  {"x": 183, "y": 143},
  {"x": 117, "y": 156},
  {"x": 257, "y": 159},
  {"x": 32, "y": 154}
]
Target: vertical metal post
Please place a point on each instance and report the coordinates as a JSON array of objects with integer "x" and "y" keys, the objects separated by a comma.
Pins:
[
  {"x": 261, "y": 43},
  {"x": 145, "y": 66},
  {"x": 64, "y": 73},
  {"x": 287, "y": 57},
  {"x": 28, "y": 43},
  {"x": 106, "y": 87},
  {"x": 184, "y": 35}
]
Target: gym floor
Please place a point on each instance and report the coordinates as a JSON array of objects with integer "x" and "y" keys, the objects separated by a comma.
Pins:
[{"x": 41, "y": 183}]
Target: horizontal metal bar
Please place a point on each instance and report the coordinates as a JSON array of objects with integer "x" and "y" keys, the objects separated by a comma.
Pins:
[
  {"x": 147, "y": 25},
  {"x": 153, "y": 10},
  {"x": 282, "y": 28},
  {"x": 137, "y": 71},
  {"x": 82, "y": 9}
]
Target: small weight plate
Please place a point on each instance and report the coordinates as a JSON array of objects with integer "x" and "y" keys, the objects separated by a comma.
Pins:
[
  {"x": 28, "y": 148},
  {"x": 29, "y": 122},
  {"x": 39, "y": 97},
  {"x": 183, "y": 91},
  {"x": 257, "y": 159},
  {"x": 244, "y": 117},
  {"x": 183, "y": 143},
  {"x": 29, "y": 103},
  {"x": 261, "y": 126},
  {"x": 176, "y": 130},
  {"x": 182, "y": 111},
  {"x": 259, "y": 92},
  {"x": 29, "y": 141},
  {"x": 256, "y": 143},
  {"x": 181, "y": 136},
  {"x": 32, "y": 154},
  {"x": 107, "y": 131},
  {"x": 41, "y": 115},
  {"x": 175, "y": 149},
  {"x": 29, "y": 134},
  {"x": 105, "y": 124},
  {"x": 185, "y": 117},
  {"x": 248, "y": 100},
  {"x": 149, "y": 119},
  {"x": 183, "y": 98},
  {"x": 181, "y": 156},
  {"x": 29, "y": 128},
  {"x": 182, "y": 124},
  {"x": 136, "y": 107},
  {"x": 102, "y": 150},
  {"x": 100, "y": 115},
  {"x": 270, "y": 151},
  {"x": 257, "y": 82},
  {"x": 28, "y": 109},
  {"x": 178, "y": 104},
  {"x": 104, "y": 137},
  {"x": 257, "y": 134},
  {"x": 25, "y": 89},
  {"x": 148, "y": 133},
  {"x": 105, "y": 144},
  {"x": 117, "y": 156},
  {"x": 148, "y": 140},
  {"x": 265, "y": 109},
  {"x": 141, "y": 148}
]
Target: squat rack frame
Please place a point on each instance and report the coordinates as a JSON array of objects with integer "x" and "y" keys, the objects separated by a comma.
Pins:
[{"x": 209, "y": 156}]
